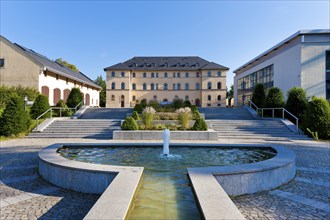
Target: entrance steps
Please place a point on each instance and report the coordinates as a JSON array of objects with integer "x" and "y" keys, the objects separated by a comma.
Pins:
[{"x": 79, "y": 128}]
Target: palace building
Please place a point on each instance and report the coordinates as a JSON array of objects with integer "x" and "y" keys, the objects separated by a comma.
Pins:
[
  {"x": 191, "y": 78},
  {"x": 20, "y": 66},
  {"x": 301, "y": 60}
]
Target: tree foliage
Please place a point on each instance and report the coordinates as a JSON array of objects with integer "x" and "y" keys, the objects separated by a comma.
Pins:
[
  {"x": 274, "y": 98},
  {"x": 230, "y": 94},
  {"x": 101, "y": 82},
  {"x": 39, "y": 106},
  {"x": 7, "y": 92},
  {"x": 67, "y": 64},
  {"x": 259, "y": 95},
  {"x": 75, "y": 97},
  {"x": 15, "y": 119},
  {"x": 129, "y": 124},
  {"x": 200, "y": 125},
  {"x": 296, "y": 102},
  {"x": 317, "y": 117}
]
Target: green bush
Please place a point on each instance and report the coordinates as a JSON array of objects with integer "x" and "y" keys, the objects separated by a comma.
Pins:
[
  {"x": 178, "y": 103},
  {"x": 274, "y": 98},
  {"x": 148, "y": 116},
  {"x": 187, "y": 103},
  {"x": 65, "y": 111},
  {"x": 129, "y": 124},
  {"x": 200, "y": 125},
  {"x": 14, "y": 119},
  {"x": 7, "y": 92},
  {"x": 143, "y": 103},
  {"x": 184, "y": 117},
  {"x": 75, "y": 97},
  {"x": 297, "y": 102},
  {"x": 193, "y": 108},
  {"x": 138, "y": 108},
  {"x": 39, "y": 106},
  {"x": 259, "y": 96},
  {"x": 317, "y": 117},
  {"x": 155, "y": 104},
  {"x": 135, "y": 115},
  {"x": 196, "y": 114}
]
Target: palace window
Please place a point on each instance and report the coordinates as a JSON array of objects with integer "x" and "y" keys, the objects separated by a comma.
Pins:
[
  {"x": 122, "y": 74},
  {"x": 144, "y": 75},
  {"x": 219, "y": 73},
  {"x": 2, "y": 63},
  {"x": 197, "y": 74},
  {"x": 209, "y": 85},
  {"x": 165, "y": 86},
  {"x": 133, "y": 98},
  {"x": 133, "y": 86},
  {"x": 152, "y": 86},
  {"x": 144, "y": 86},
  {"x": 186, "y": 87},
  {"x": 219, "y": 85},
  {"x": 133, "y": 75},
  {"x": 113, "y": 85},
  {"x": 173, "y": 86},
  {"x": 186, "y": 98},
  {"x": 209, "y": 97},
  {"x": 178, "y": 75},
  {"x": 219, "y": 97},
  {"x": 113, "y": 98},
  {"x": 165, "y": 75},
  {"x": 173, "y": 75},
  {"x": 209, "y": 73},
  {"x": 113, "y": 74},
  {"x": 178, "y": 86},
  {"x": 197, "y": 86},
  {"x": 187, "y": 75},
  {"x": 152, "y": 75},
  {"x": 122, "y": 85}
]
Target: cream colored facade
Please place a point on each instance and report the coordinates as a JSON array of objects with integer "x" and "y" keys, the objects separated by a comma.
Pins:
[
  {"x": 20, "y": 69},
  {"x": 201, "y": 87}
]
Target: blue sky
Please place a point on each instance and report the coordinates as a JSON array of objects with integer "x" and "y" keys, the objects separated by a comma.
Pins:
[{"x": 97, "y": 34}]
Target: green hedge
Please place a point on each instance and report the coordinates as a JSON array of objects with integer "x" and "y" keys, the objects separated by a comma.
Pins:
[
  {"x": 39, "y": 106},
  {"x": 75, "y": 97},
  {"x": 296, "y": 102}
]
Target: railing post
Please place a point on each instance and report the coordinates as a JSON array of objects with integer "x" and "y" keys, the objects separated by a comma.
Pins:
[
  {"x": 273, "y": 112},
  {"x": 262, "y": 112},
  {"x": 283, "y": 113},
  {"x": 37, "y": 124},
  {"x": 51, "y": 113},
  {"x": 60, "y": 112}
]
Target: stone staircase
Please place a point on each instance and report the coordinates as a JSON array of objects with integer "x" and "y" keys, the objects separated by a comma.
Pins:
[
  {"x": 79, "y": 128},
  {"x": 268, "y": 129}
]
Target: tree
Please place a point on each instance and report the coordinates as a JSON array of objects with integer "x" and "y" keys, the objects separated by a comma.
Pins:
[
  {"x": 14, "y": 119},
  {"x": 67, "y": 64},
  {"x": 259, "y": 96},
  {"x": 39, "y": 106},
  {"x": 317, "y": 117},
  {"x": 74, "y": 98},
  {"x": 101, "y": 82},
  {"x": 274, "y": 98},
  {"x": 230, "y": 94},
  {"x": 296, "y": 102}
]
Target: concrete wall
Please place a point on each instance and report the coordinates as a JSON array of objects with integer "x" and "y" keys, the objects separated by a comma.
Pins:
[
  {"x": 313, "y": 68},
  {"x": 18, "y": 68},
  {"x": 168, "y": 94}
]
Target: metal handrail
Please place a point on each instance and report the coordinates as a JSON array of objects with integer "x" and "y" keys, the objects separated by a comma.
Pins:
[
  {"x": 55, "y": 108},
  {"x": 273, "y": 113},
  {"x": 82, "y": 102}
]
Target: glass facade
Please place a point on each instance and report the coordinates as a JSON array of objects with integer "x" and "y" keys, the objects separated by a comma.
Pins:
[
  {"x": 327, "y": 72},
  {"x": 246, "y": 84}
]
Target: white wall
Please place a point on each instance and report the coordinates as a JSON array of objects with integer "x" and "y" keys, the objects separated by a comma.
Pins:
[
  {"x": 60, "y": 83},
  {"x": 287, "y": 70},
  {"x": 313, "y": 68}
]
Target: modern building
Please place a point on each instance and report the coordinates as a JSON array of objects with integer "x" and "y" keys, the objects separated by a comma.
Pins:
[
  {"x": 201, "y": 82},
  {"x": 20, "y": 66},
  {"x": 301, "y": 60}
]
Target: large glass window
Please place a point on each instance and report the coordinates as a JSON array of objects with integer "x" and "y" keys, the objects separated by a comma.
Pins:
[
  {"x": 152, "y": 75},
  {"x": 178, "y": 75},
  {"x": 178, "y": 86},
  {"x": 219, "y": 85},
  {"x": 187, "y": 75},
  {"x": 219, "y": 73},
  {"x": 165, "y": 75},
  {"x": 173, "y": 86},
  {"x": 144, "y": 75}
]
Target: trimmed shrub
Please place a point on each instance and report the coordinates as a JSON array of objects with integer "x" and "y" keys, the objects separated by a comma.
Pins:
[
  {"x": 148, "y": 116},
  {"x": 274, "y": 98},
  {"x": 65, "y": 111},
  {"x": 259, "y": 95},
  {"x": 297, "y": 102},
  {"x": 75, "y": 97},
  {"x": 178, "y": 103},
  {"x": 200, "y": 125},
  {"x": 135, "y": 115},
  {"x": 143, "y": 103},
  {"x": 14, "y": 119},
  {"x": 39, "y": 106},
  {"x": 193, "y": 108},
  {"x": 187, "y": 103},
  {"x": 154, "y": 103},
  {"x": 129, "y": 124},
  {"x": 196, "y": 114},
  {"x": 138, "y": 108},
  {"x": 317, "y": 117}
]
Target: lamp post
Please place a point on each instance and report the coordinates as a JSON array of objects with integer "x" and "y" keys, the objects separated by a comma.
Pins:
[{"x": 25, "y": 102}]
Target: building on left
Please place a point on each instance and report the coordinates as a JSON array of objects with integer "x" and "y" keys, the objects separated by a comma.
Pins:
[{"x": 20, "y": 66}]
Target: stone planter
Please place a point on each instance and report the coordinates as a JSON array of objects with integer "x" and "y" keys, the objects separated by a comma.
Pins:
[{"x": 158, "y": 135}]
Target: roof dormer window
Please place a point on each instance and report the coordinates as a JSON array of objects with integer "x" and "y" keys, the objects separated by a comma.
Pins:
[
  {"x": 187, "y": 64},
  {"x": 165, "y": 64}
]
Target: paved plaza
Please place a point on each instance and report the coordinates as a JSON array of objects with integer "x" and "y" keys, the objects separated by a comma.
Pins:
[{"x": 24, "y": 195}]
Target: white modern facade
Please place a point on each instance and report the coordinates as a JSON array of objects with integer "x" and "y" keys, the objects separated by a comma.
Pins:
[{"x": 301, "y": 60}]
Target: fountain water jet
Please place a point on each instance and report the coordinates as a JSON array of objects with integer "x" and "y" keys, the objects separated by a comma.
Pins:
[{"x": 166, "y": 142}]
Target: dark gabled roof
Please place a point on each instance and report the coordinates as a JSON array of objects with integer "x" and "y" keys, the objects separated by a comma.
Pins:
[
  {"x": 58, "y": 68},
  {"x": 166, "y": 63}
]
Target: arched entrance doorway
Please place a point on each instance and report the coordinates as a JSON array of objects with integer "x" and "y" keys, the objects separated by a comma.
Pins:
[
  {"x": 57, "y": 95},
  {"x": 197, "y": 102},
  {"x": 122, "y": 101}
]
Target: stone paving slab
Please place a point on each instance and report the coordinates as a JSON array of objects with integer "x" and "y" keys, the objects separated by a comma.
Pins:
[{"x": 313, "y": 162}]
